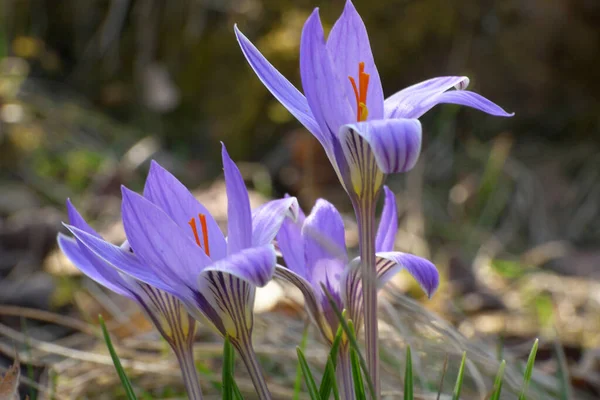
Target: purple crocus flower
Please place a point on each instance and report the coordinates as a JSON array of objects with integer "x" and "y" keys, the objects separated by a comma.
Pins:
[
  {"x": 314, "y": 251},
  {"x": 167, "y": 312},
  {"x": 177, "y": 247},
  {"x": 364, "y": 135}
]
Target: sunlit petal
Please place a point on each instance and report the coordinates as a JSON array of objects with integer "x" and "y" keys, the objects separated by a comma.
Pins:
[{"x": 388, "y": 223}]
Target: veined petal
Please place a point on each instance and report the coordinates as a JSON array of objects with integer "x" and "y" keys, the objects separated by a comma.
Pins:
[
  {"x": 121, "y": 259},
  {"x": 166, "y": 192},
  {"x": 280, "y": 87},
  {"x": 312, "y": 300},
  {"x": 168, "y": 314},
  {"x": 230, "y": 301},
  {"x": 93, "y": 266},
  {"x": 388, "y": 223},
  {"x": 348, "y": 45},
  {"x": 394, "y": 143},
  {"x": 160, "y": 243},
  {"x": 254, "y": 265},
  {"x": 324, "y": 244},
  {"x": 239, "y": 223},
  {"x": 424, "y": 272},
  {"x": 322, "y": 86},
  {"x": 407, "y": 102},
  {"x": 469, "y": 99},
  {"x": 267, "y": 219}
]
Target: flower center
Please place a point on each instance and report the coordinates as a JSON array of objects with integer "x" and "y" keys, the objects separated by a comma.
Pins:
[
  {"x": 360, "y": 92},
  {"x": 192, "y": 223}
]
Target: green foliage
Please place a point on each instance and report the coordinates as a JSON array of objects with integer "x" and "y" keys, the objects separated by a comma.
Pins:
[
  {"x": 498, "y": 382},
  {"x": 359, "y": 386},
  {"x": 311, "y": 385},
  {"x": 459, "y": 378},
  {"x": 117, "y": 363},
  {"x": 328, "y": 381},
  {"x": 529, "y": 370},
  {"x": 408, "y": 376},
  {"x": 227, "y": 372},
  {"x": 298, "y": 380}
]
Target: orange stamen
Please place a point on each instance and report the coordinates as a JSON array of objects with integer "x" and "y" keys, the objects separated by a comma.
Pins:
[
  {"x": 195, "y": 230},
  {"x": 204, "y": 233},
  {"x": 360, "y": 92}
]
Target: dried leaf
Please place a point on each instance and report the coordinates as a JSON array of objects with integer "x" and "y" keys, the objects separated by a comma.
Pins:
[{"x": 9, "y": 383}]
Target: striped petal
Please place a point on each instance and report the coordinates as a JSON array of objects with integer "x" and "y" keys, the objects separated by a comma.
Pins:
[
  {"x": 312, "y": 300},
  {"x": 239, "y": 222},
  {"x": 166, "y": 192},
  {"x": 268, "y": 218},
  {"x": 280, "y": 87},
  {"x": 387, "y": 265},
  {"x": 424, "y": 272},
  {"x": 168, "y": 314},
  {"x": 348, "y": 44},
  {"x": 159, "y": 243},
  {"x": 388, "y": 223}
]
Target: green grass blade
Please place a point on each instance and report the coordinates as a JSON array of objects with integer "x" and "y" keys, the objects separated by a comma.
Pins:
[
  {"x": 529, "y": 370},
  {"x": 334, "y": 386},
  {"x": 408, "y": 376},
  {"x": 498, "y": 382},
  {"x": 352, "y": 339},
  {"x": 566, "y": 392},
  {"x": 298, "y": 380},
  {"x": 460, "y": 377},
  {"x": 227, "y": 371},
  {"x": 328, "y": 381},
  {"x": 117, "y": 363},
  {"x": 444, "y": 369},
  {"x": 308, "y": 376},
  {"x": 357, "y": 376}
]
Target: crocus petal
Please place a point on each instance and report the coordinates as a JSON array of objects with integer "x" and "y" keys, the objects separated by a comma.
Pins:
[
  {"x": 267, "y": 219},
  {"x": 92, "y": 266},
  {"x": 424, "y": 272},
  {"x": 254, "y": 265},
  {"x": 230, "y": 301},
  {"x": 160, "y": 243},
  {"x": 324, "y": 244},
  {"x": 168, "y": 314},
  {"x": 239, "y": 223},
  {"x": 311, "y": 299},
  {"x": 121, "y": 259},
  {"x": 166, "y": 192},
  {"x": 395, "y": 143},
  {"x": 348, "y": 45},
  {"x": 407, "y": 102},
  {"x": 77, "y": 220},
  {"x": 469, "y": 99},
  {"x": 279, "y": 86},
  {"x": 388, "y": 224},
  {"x": 322, "y": 87},
  {"x": 291, "y": 245}
]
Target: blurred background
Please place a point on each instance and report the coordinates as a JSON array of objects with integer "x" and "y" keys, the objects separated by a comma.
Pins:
[{"x": 509, "y": 209}]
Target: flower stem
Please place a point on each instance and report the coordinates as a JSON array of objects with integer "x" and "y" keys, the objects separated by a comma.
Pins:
[
  {"x": 343, "y": 373},
  {"x": 246, "y": 352},
  {"x": 185, "y": 357},
  {"x": 365, "y": 216}
]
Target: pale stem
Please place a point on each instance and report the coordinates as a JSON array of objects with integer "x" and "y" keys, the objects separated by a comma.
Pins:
[
  {"x": 365, "y": 216},
  {"x": 185, "y": 357},
  {"x": 246, "y": 352},
  {"x": 343, "y": 372}
]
